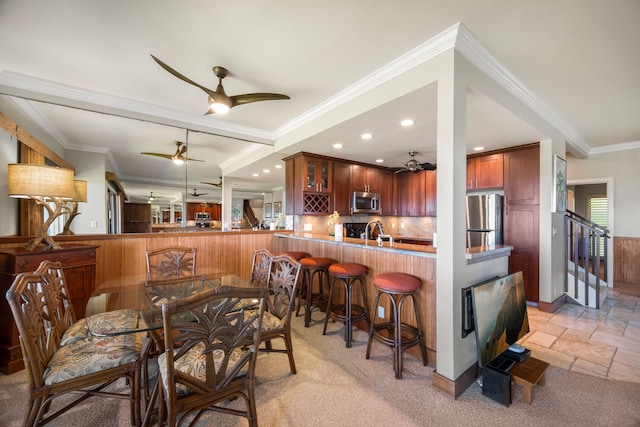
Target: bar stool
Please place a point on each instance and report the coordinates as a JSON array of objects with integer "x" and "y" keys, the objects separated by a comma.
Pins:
[
  {"x": 395, "y": 334},
  {"x": 347, "y": 313},
  {"x": 295, "y": 255},
  {"x": 312, "y": 267}
]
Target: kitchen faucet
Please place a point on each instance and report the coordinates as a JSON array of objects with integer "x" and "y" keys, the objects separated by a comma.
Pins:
[{"x": 380, "y": 234}]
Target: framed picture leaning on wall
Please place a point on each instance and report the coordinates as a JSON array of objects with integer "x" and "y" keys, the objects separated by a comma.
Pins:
[{"x": 267, "y": 210}]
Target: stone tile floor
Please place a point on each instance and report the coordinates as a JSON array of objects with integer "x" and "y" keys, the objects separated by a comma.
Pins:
[{"x": 603, "y": 342}]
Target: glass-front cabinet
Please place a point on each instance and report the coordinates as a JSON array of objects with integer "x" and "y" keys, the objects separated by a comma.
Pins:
[
  {"x": 318, "y": 175},
  {"x": 308, "y": 184}
]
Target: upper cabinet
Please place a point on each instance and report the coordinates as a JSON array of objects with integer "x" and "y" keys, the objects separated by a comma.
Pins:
[
  {"x": 308, "y": 184},
  {"x": 374, "y": 180},
  {"x": 485, "y": 172},
  {"x": 522, "y": 177},
  {"x": 341, "y": 188},
  {"x": 318, "y": 174}
]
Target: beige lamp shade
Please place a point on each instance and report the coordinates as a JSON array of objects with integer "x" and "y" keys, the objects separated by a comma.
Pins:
[
  {"x": 80, "y": 187},
  {"x": 40, "y": 181}
]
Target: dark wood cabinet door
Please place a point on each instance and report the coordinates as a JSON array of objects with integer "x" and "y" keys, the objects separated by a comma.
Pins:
[
  {"x": 522, "y": 177},
  {"x": 341, "y": 188},
  {"x": 412, "y": 193},
  {"x": 385, "y": 190},
  {"x": 431, "y": 194},
  {"x": 521, "y": 231},
  {"x": 485, "y": 172}
]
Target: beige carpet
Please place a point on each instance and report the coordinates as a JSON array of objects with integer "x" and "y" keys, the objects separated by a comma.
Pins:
[{"x": 338, "y": 386}]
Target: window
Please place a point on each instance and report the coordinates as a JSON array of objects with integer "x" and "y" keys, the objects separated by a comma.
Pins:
[{"x": 597, "y": 212}]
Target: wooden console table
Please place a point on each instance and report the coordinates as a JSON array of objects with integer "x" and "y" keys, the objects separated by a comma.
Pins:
[
  {"x": 79, "y": 266},
  {"x": 529, "y": 373}
]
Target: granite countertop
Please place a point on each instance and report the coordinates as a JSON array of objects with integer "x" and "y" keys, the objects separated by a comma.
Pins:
[{"x": 477, "y": 254}]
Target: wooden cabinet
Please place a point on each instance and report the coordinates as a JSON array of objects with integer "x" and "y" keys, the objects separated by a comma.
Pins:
[
  {"x": 365, "y": 179},
  {"x": 215, "y": 210},
  {"x": 411, "y": 189},
  {"x": 317, "y": 174},
  {"x": 79, "y": 266},
  {"x": 309, "y": 184},
  {"x": 341, "y": 188},
  {"x": 521, "y": 215},
  {"x": 137, "y": 218},
  {"x": 485, "y": 172},
  {"x": 522, "y": 177},
  {"x": 374, "y": 180},
  {"x": 431, "y": 195}
]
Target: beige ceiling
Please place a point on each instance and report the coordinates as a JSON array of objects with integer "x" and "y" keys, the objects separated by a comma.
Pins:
[{"x": 579, "y": 58}]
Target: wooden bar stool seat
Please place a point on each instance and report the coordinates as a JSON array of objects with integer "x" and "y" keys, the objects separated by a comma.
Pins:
[
  {"x": 347, "y": 313},
  {"x": 312, "y": 267},
  {"x": 394, "y": 333}
]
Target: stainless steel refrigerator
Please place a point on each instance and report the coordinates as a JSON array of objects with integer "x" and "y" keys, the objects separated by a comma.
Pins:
[{"x": 484, "y": 219}]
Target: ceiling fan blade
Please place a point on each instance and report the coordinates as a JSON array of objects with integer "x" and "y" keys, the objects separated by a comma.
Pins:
[
  {"x": 401, "y": 170},
  {"x": 428, "y": 166},
  {"x": 184, "y": 78},
  {"x": 256, "y": 97},
  {"x": 216, "y": 184},
  {"x": 164, "y": 156}
]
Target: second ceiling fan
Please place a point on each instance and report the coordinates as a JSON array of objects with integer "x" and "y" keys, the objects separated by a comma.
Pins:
[
  {"x": 219, "y": 101},
  {"x": 180, "y": 156}
]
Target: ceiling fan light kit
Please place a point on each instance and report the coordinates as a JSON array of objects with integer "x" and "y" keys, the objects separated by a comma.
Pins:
[
  {"x": 413, "y": 165},
  {"x": 219, "y": 101}
]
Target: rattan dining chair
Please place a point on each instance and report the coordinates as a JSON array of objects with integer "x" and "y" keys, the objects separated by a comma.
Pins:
[
  {"x": 84, "y": 366},
  {"x": 210, "y": 354},
  {"x": 171, "y": 263},
  {"x": 260, "y": 267},
  {"x": 284, "y": 273}
]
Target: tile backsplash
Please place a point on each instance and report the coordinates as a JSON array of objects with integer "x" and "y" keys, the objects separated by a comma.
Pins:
[{"x": 393, "y": 225}]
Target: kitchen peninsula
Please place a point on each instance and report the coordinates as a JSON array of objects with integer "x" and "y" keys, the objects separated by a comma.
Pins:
[{"x": 417, "y": 260}]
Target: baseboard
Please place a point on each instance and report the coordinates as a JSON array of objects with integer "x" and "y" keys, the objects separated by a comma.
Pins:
[
  {"x": 459, "y": 385},
  {"x": 552, "y": 307}
]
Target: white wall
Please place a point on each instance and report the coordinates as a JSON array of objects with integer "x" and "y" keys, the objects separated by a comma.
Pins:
[
  {"x": 90, "y": 167},
  {"x": 623, "y": 168},
  {"x": 8, "y": 205}
]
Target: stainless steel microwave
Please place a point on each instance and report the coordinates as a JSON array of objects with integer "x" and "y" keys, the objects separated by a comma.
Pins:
[{"x": 365, "y": 203}]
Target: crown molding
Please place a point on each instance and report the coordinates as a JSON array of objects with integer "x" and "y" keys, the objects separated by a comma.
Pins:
[
  {"x": 624, "y": 146},
  {"x": 478, "y": 55},
  {"x": 34, "y": 89},
  {"x": 419, "y": 55}
]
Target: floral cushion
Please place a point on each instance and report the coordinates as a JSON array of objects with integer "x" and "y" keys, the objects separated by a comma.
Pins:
[
  {"x": 269, "y": 321},
  {"x": 110, "y": 322},
  {"x": 76, "y": 332},
  {"x": 193, "y": 363},
  {"x": 91, "y": 355}
]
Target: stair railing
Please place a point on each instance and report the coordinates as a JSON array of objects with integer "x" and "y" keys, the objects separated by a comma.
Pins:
[{"x": 582, "y": 240}]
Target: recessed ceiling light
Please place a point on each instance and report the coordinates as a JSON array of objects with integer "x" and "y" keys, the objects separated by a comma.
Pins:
[
  {"x": 406, "y": 122},
  {"x": 337, "y": 146},
  {"x": 278, "y": 166},
  {"x": 478, "y": 148},
  {"x": 255, "y": 174},
  {"x": 266, "y": 170},
  {"x": 366, "y": 136},
  {"x": 379, "y": 160}
]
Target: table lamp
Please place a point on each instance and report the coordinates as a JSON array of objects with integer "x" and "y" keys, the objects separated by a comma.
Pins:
[
  {"x": 71, "y": 206},
  {"x": 44, "y": 185}
]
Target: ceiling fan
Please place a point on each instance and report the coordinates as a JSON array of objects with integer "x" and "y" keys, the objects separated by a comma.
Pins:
[
  {"x": 219, "y": 101},
  {"x": 151, "y": 197},
  {"x": 196, "y": 194},
  {"x": 413, "y": 165},
  {"x": 218, "y": 184},
  {"x": 178, "y": 157}
]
